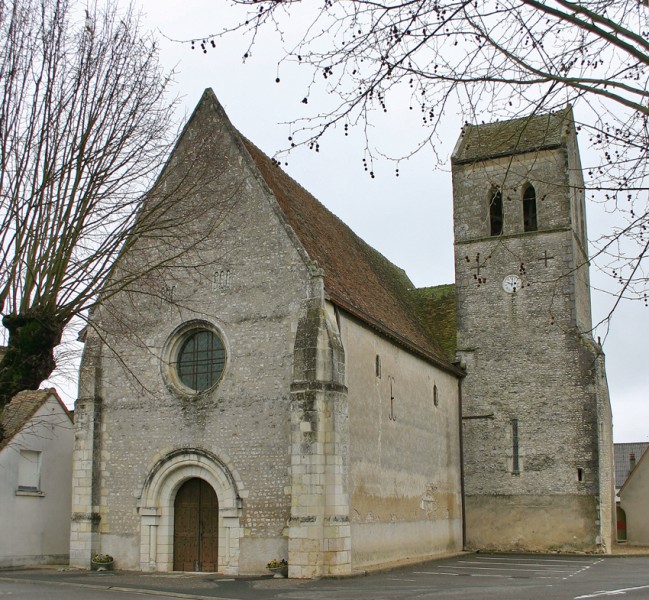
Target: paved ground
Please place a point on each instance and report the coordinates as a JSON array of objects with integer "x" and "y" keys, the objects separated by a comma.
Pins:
[{"x": 467, "y": 577}]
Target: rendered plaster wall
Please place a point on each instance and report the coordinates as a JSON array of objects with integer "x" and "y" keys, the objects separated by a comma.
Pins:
[
  {"x": 404, "y": 476},
  {"x": 35, "y": 526},
  {"x": 531, "y": 363},
  {"x": 233, "y": 227},
  {"x": 633, "y": 500}
]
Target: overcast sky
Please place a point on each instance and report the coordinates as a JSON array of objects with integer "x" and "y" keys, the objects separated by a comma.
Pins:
[{"x": 407, "y": 218}]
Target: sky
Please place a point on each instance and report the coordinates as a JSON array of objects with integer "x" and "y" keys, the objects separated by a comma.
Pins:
[{"x": 407, "y": 218}]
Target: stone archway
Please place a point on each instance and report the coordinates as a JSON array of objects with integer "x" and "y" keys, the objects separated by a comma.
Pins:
[{"x": 156, "y": 507}]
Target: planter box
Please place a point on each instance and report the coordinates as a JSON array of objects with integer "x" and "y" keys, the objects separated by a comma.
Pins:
[
  {"x": 102, "y": 566},
  {"x": 279, "y": 572}
]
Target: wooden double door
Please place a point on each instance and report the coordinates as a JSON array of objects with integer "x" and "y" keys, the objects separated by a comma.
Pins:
[{"x": 196, "y": 527}]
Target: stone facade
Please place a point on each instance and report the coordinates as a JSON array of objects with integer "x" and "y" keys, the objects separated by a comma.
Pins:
[
  {"x": 536, "y": 418},
  {"x": 295, "y": 437},
  {"x": 252, "y": 345}
]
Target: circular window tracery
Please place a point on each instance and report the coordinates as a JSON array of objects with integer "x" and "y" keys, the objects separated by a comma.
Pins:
[
  {"x": 195, "y": 356},
  {"x": 201, "y": 360}
]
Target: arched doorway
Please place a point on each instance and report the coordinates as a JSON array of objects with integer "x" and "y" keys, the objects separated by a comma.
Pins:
[
  {"x": 196, "y": 527},
  {"x": 156, "y": 506}
]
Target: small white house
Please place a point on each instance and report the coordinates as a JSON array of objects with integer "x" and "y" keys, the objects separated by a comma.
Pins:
[
  {"x": 35, "y": 480},
  {"x": 633, "y": 501}
]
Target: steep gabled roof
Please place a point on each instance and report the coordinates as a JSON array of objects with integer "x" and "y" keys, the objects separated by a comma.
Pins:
[
  {"x": 622, "y": 456},
  {"x": 357, "y": 278},
  {"x": 22, "y": 408},
  {"x": 504, "y": 138},
  {"x": 639, "y": 465}
]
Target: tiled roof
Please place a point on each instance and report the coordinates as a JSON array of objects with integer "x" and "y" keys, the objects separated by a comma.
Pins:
[
  {"x": 22, "y": 407},
  {"x": 503, "y": 138},
  {"x": 622, "y": 454},
  {"x": 639, "y": 467},
  {"x": 357, "y": 278},
  {"x": 438, "y": 313}
]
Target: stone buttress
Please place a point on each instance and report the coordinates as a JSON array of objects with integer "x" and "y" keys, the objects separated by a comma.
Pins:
[{"x": 319, "y": 529}]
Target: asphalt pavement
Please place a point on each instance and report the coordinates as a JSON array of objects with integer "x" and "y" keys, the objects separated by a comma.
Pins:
[{"x": 469, "y": 576}]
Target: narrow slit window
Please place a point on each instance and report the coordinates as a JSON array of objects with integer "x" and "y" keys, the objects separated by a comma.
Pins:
[
  {"x": 529, "y": 209},
  {"x": 435, "y": 395},
  {"x": 580, "y": 474},
  {"x": 377, "y": 366},
  {"x": 495, "y": 212},
  {"x": 515, "y": 456}
]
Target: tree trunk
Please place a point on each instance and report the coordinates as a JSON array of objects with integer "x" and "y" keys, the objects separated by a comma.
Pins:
[{"x": 29, "y": 356}]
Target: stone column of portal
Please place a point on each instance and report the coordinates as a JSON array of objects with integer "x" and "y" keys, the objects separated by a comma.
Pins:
[{"x": 319, "y": 529}]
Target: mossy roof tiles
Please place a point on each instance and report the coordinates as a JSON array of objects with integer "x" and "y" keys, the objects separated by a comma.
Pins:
[
  {"x": 438, "y": 314},
  {"x": 503, "y": 138}
]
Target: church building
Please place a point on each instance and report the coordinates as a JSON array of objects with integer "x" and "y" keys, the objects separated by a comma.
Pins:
[{"x": 258, "y": 383}]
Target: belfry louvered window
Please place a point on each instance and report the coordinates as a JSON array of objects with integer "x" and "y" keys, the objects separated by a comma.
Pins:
[
  {"x": 529, "y": 209},
  {"x": 495, "y": 212}
]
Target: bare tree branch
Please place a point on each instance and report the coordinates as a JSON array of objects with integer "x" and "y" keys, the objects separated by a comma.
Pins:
[
  {"x": 494, "y": 59},
  {"x": 85, "y": 127}
]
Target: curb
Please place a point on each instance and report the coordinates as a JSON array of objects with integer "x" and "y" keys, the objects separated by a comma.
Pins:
[{"x": 114, "y": 588}]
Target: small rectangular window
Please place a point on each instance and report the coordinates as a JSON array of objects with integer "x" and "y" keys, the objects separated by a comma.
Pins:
[
  {"x": 580, "y": 474},
  {"x": 377, "y": 366},
  {"x": 29, "y": 471},
  {"x": 435, "y": 395},
  {"x": 515, "y": 460}
]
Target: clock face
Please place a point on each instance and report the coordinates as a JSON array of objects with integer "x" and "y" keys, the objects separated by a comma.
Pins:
[{"x": 512, "y": 284}]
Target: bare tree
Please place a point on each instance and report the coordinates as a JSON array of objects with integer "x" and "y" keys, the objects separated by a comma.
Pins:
[
  {"x": 85, "y": 126},
  {"x": 494, "y": 59}
]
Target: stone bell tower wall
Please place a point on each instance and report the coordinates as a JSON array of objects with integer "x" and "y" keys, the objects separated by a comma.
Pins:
[{"x": 532, "y": 414}]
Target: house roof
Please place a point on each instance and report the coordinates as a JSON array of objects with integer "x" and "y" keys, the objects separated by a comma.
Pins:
[
  {"x": 622, "y": 457},
  {"x": 357, "y": 278},
  {"x": 504, "y": 138},
  {"x": 22, "y": 408},
  {"x": 637, "y": 468}
]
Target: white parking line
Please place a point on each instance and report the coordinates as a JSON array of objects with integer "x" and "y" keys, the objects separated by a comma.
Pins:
[
  {"x": 468, "y": 562},
  {"x": 613, "y": 592},
  {"x": 548, "y": 560},
  {"x": 506, "y": 569},
  {"x": 457, "y": 574}
]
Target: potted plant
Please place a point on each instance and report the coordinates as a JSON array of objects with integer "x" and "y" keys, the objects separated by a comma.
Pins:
[
  {"x": 101, "y": 562},
  {"x": 279, "y": 568}
]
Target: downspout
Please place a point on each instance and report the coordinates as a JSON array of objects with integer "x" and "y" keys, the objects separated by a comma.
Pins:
[{"x": 459, "y": 398}]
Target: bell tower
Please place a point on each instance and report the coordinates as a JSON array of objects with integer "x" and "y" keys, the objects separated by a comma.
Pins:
[{"x": 537, "y": 429}]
